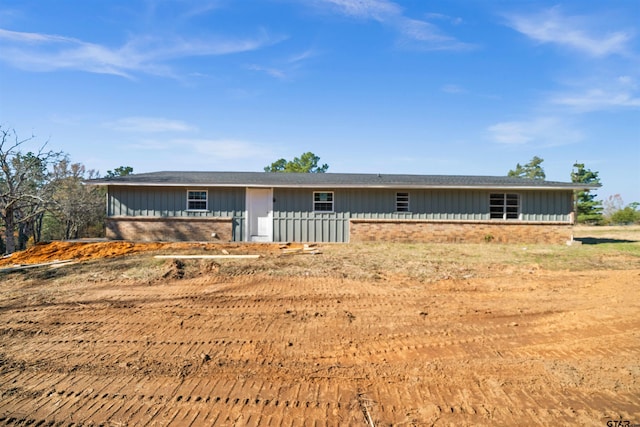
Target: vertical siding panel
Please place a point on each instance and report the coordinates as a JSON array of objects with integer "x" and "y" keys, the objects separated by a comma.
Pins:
[
  {"x": 114, "y": 202},
  {"x": 139, "y": 201},
  {"x": 129, "y": 203},
  {"x": 428, "y": 204},
  {"x": 126, "y": 206},
  {"x": 164, "y": 204},
  {"x": 173, "y": 200},
  {"x": 133, "y": 198},
  {"x": 152, "y": 207},
  {"x": 298, "y": 227},
  {"x": 455, "y": 205},
  {"x": 290, "y": 230},
  {"x": 305, "y": 229},
  {"x": 474, "y": 208},
  {"x": 214, "y": 200},
  {"x": 128, "y": 197},
  {"x": 539, "y": 199},
  {"x": 124, "y": 202}
]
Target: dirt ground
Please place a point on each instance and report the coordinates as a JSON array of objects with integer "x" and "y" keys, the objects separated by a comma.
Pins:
[{"x": 376, "y": 334}]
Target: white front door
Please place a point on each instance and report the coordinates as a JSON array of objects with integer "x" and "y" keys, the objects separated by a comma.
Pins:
[{"x": 259, "y": 214}]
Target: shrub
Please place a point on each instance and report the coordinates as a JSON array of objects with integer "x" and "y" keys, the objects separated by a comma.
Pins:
[{"x": 628, "y": 215}]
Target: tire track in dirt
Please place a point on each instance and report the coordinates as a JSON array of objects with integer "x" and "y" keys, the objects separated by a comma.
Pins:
[{"x": 268, "y": 353}]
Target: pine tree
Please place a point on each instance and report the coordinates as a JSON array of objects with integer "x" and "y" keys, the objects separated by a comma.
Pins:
[
  {"x": 306, "y": 163},
  {"x": 588, "y": 209},
  {"x": 532, "y": 170}
]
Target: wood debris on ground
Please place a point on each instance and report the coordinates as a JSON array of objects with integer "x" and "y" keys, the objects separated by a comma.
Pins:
[
  {"x": 52, "y": 264},
  {"x": 307, "y": 248}
]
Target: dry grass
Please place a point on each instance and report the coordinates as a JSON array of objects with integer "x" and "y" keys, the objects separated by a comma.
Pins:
[{"x": 603, "y": 248}]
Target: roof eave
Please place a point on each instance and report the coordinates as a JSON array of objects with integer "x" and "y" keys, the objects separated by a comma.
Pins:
[{"x": 329, "y": 185}]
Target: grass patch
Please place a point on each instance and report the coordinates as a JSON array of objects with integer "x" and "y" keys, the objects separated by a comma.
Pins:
[{"x": 415, "y": 262}]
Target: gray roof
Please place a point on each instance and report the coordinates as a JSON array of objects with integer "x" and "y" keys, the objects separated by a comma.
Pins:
[{"x": 331, "y": 180}]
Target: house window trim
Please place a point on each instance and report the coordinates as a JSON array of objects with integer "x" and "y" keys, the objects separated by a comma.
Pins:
[
  {"x": 407, "y": 201},
  {"x": 504, "y": 206},
  {"x": 206, "y": 200},
  {"x": 333, "y": 206}
]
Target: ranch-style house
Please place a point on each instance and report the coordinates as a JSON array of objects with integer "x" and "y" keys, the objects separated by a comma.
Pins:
[{"x": 337, "y": 207}]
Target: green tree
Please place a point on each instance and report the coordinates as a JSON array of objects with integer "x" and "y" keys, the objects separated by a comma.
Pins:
[
  {"x": 532, "y": 170},
  {"x": 119, "y": 171},
  {"x": 627, "y": 215},
  {"x": 306, "y": 163},
  {"x": 587, "y": 208}
]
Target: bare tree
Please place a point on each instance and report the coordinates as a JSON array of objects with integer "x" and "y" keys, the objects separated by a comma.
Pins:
[
  {"x": 73, "y": 205},
  {"x": 24, "y": 187}
]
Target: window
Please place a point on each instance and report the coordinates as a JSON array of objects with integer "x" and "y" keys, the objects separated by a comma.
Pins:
[
  {"x": 323, "y": 201},
  {"x": 197, "y": 200},
  {"x": 402, "y": 202},
  {"x": 504, "y": 206}
]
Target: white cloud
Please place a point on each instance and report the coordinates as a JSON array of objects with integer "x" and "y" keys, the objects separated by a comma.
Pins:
[
  {"x": 451, "y": 88},
  {"x": 378, "y": 10},
  {"x": 286, "y": 68},
  {"x": 441, "y": 17},
  {"x": 599, "y": 93},
  {"x": 149, "y": 125},
  {"x": 598, "y": 99},
  {"x": 273, "y": 72},
  {"x": 307, "y": 54},
  {"x": 47, "y": 52},
  {"x": 426, "y": 35},
  {"x": 204, "y": 153},
  {"x": 226, "y": 149},
  {"x": 551, "y": 26},
  {"x": 542, "y": 131}
]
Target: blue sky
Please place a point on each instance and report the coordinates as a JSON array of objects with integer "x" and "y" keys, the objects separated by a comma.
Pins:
[{"x": 465, "y": 87}]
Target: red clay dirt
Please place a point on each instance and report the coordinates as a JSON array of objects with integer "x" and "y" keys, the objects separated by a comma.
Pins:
[
  {"x": 299, "y": 340},
  {"x": 83, "y": 251}
]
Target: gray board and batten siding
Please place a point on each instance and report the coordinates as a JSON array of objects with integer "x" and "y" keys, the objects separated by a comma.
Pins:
[
  {"x": 171, "y": 202},
  {"x": 355, "y": 197}
]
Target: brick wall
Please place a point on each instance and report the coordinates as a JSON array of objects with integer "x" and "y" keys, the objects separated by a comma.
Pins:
[
  {"x": 458, "y": 231},
  {"x": 149, "y": 229}
]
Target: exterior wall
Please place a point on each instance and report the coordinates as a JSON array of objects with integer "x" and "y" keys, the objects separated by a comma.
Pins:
[
  {"x": 167, "y": 204},
  {"x": 294, "y": 219},
  {"x": 434, "y": 215},
  {"x": 172, "y": 202},
  {"x": 169, "y": 229},
  {"x": 462, "y": 205},
  {"x": 459, "y": 232}
]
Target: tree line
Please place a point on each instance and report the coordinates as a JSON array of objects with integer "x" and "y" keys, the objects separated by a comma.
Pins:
[
  {"x": 588, "y": 209},
  {"x": 42, "y": 195}
]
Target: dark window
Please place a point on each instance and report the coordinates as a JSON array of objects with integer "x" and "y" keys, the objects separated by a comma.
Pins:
[
  {"x": 504, "y": 206},
  {"x": 323, "y": 201},
  {"x": 196, "y": 200},
  {"x": 402, "y": 202}
]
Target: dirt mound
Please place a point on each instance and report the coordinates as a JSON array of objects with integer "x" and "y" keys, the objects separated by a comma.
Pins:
[{"x": 61, "y": 251}]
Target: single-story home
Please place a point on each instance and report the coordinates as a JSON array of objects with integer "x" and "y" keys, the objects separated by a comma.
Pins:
[{"x": 337, "y": 207}]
